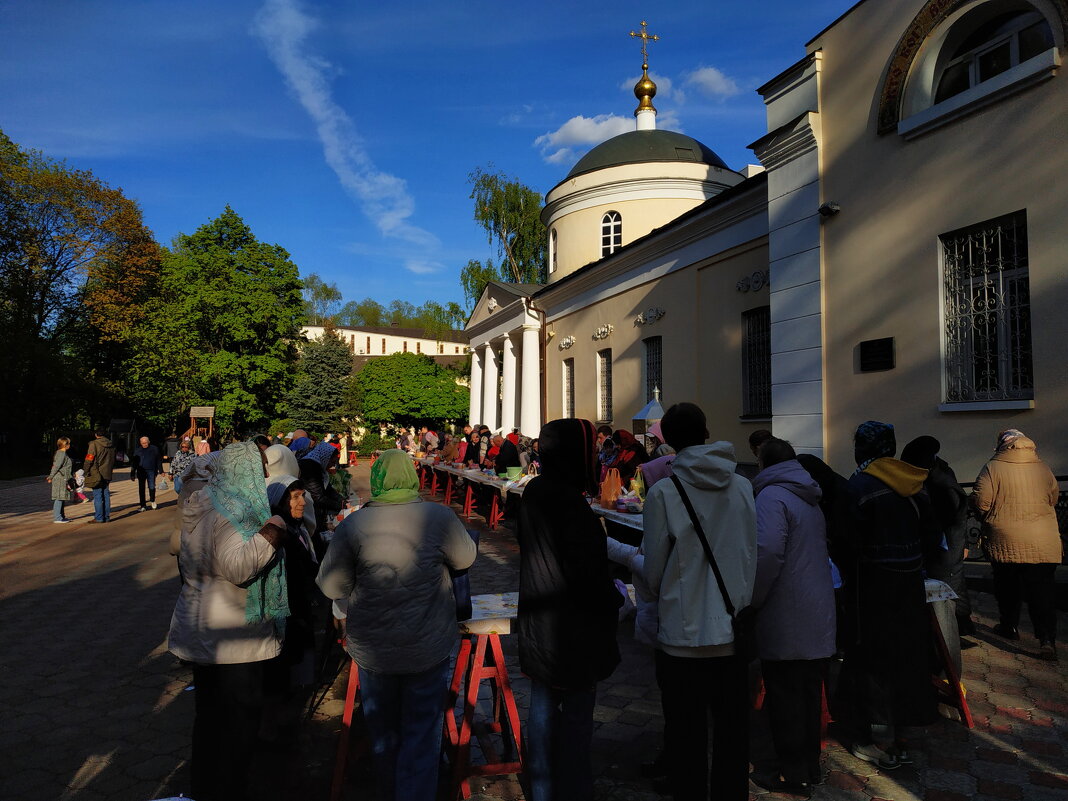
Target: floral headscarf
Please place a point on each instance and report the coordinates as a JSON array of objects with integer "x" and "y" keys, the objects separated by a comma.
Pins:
[
  {"x": 873, "y": 440},
  {"x": 239, "y": 493},
  {"x": 393, "y": 478},
  {"x": 324, "y": 454},
  {"x": 1007, "y": 438}
]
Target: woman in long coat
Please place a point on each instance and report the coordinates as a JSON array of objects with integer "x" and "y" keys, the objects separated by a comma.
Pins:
[{"x": 62, "y": 468}]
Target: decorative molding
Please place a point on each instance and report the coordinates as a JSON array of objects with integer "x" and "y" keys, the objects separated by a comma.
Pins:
[
  {"x": 790, "y": 141},
  {"x": 604, "y": 331},
  {"x": 755, "y": 281},
  {"x": 492, "y": 304},
  {"x": 649, "y": 316},
  {"x": 566, "y": 342}
]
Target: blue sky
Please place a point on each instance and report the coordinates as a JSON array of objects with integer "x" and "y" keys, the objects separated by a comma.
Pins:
[{"x": 345, "y": 131}]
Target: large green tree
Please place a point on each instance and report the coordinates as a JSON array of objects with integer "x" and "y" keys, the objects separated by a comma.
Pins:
[
  {"x": 222, "y": 329},
  {"x": 406, "y": 388},
  {"x": 324, "y": 372},
  {"x": 322, "y": 301},
  {"x": 510, "y": 214}
]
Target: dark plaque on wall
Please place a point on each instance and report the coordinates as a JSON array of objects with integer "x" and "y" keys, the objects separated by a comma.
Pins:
[{"x": 877, "y": 354}]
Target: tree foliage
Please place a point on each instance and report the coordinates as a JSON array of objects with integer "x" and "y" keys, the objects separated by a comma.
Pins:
[
  {"x": 406, "y": 388},
  {"x": 322, "y": 301},
  {"x": 324, "y": 372},
  {"x": 221, "y": 329}
]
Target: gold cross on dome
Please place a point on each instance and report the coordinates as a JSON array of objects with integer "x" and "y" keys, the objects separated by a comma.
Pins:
[{"x": 645, "y": 36}]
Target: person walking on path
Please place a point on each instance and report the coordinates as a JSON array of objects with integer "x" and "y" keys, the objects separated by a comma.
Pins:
[
  {"x": 230, "y": 615},
  {"x": 147, "y": 463},
  {"x": 568, "y": 612},
  {"x": 182, "y": 459},
  {"x": 391, "y": 560},
  {"x": 1015, "y": 493},
  {"x": 62, "y": 469},
  {"x": 99, "y": 465},
  {"x": 696, "y": 666},
  {"x": 795, "y": 630}
]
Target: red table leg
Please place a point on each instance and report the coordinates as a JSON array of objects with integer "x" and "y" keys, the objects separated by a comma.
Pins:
[
  {"x": 495, "y": 511},
  {"x": 469, "y": 500},
  {"x": 950, "y": 688},
  {"x": 447, "y": 500},
  {"x": 342, "y": 756}
]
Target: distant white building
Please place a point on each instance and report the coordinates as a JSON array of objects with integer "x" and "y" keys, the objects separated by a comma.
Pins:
[{"x": 387, "y": 340}]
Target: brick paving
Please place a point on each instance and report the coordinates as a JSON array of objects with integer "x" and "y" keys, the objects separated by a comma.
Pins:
[{"x": 93, "y": 707}]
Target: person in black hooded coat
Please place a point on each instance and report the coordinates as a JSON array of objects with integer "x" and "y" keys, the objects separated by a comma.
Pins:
[{"x": 568, "y": 608}]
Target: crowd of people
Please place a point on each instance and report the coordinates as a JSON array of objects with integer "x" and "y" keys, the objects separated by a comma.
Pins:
[{"x": 797, "y": 567}]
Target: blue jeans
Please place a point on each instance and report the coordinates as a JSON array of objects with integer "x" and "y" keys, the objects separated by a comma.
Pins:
[
  {"x": 404, "y": 714},
  {"x": 559, "y": 736},
  {"x": 102, "y": 501},
  {"x": 177, "y": 485},
  {"x": 57, "y": 510}
]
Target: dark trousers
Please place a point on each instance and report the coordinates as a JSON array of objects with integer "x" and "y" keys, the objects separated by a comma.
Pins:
[
  {"x": 229, "y": 701},
  {"x": 559, "y": 740},
  {"x": 794, "y": 693},
  {"x": 1034, "y": 583},
  {"x": 404, "y": 714},
  {"x": 691, "y": 690},
  {"x": 146, "y": 477}
]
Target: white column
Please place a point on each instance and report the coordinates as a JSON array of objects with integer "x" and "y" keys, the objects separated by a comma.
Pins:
[
  {"x": 489, "y": 392},
  {"x": 476, "y": 387},
  {"x": 508, "y": 421},
  {"x": 530, "y": 403}
]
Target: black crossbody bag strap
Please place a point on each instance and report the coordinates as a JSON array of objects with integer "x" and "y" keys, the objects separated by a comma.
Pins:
[{"x": 704, "y": 543}]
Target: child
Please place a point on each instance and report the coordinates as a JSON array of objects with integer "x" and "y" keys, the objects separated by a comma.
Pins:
[{"x": 79, "y": 480}]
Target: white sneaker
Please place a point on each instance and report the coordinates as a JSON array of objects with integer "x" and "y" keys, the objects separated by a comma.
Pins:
[
  {"x": 153, "y": 504},
  {"x": 62, "y": 521},
  {"x": 877, "y": 756},
  {"x": 142, "y": 509}
]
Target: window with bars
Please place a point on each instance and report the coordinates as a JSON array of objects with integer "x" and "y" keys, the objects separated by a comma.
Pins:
[
  {"x": 756, "y": 362},
  {"x": 569, "y": 387},
  {"x": 611, "y": 233},
  {"x": 604, "y": 385},
  {"x": 654, "y": 374},
  {"x": 987, "y": 311}
]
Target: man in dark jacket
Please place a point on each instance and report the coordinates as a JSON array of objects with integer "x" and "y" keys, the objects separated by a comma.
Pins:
[
  {"x": 99, "y": 464},
  {"x": 146, "y": 465}
]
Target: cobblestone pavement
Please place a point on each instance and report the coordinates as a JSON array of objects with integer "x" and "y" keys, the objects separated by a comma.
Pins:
[{"x": 93, "y": 707}]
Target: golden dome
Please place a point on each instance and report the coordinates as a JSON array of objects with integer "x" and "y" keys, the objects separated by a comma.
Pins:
[{"x": 645, "y": 91}]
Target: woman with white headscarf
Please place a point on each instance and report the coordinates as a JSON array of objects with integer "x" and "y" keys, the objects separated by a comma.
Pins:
[{"x": 230, "y": 615}]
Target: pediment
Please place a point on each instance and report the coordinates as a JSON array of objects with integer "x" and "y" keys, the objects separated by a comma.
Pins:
[{"x": 495, "y": 297}]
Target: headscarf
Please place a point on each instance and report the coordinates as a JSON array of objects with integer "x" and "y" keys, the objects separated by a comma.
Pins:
[
  {"x": 200, "y": 468},
  {"x": 1007, "y": 438},
  {"x": 393, "y": 478},
  {"x": 238, "y": 492},
  {"x": 280, "y": 462},
  {"x": 203, "y": 448},
  {"x": 300, "y": 446},
  {"x": 324, "y": 454},
  {"x": 872, "y": 441},
  {"x": 568, "y": 450},
  {"x": 278, "y": 490},
  {"x": 513, "y": 438},
  {"x": 921, "y": 452},
  {"x": 656, "y": 431}
]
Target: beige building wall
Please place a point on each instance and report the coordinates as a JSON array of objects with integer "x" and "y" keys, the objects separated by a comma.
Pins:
[{"x": 881, "y": 254}]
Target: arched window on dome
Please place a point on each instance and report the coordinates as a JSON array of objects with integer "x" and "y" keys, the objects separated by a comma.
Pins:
[
  {"x": 983, "y": 52},
  {"x": 552, "y": 251},
  {"x": 611, "y": 233}
]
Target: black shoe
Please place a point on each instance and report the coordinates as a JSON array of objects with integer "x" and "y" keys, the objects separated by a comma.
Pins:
[
  {"x": 654, "y": 769},
  {"x": 1007, "y": 632},
  {"x": 773, "y": 784},
  {"x": 1047, "y": 652}
]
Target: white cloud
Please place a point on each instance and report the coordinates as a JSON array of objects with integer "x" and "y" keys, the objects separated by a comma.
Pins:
[
  {"x": 713, "y": 83},
  {"x": 557, "y": 146},
  {"x": 284, "y": 28},
  {"x": 422, "y": 266}
]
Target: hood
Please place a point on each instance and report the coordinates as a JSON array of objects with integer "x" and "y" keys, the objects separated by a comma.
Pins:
[
  {"x": 1021, "y": 449},
  {"x": 706, "y": 466},
  {"x": 568, "y": 453},
  {"x": 792, "y": 476},
  {"x": 901, "y": 477}
]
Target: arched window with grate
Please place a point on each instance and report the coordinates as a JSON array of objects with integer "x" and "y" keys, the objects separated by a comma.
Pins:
[{"x": 611, "y": 233}]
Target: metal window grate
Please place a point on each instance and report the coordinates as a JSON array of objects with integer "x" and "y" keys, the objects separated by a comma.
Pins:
[
  {"x": 604, "y": 385},
  {"x": 611, "y": 233},
  {"x": 569, "y": 387},
  {"x": 756, "y": 362},
  {"x": 987, "y": 311},
  {"x": 654, "y": 371}
]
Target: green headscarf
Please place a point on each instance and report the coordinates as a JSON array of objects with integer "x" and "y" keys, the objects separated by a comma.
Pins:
[
  {"x": 238, "y": 491},
  {"x": 393, "y": 478}
]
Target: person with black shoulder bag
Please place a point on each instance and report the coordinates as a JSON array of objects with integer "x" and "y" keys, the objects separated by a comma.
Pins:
[{"x": 700, "y": 564}]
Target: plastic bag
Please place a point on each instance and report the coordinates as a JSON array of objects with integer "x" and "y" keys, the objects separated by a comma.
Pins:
[
  {"x": 161, "y": 483},
  {"x": 611, "y": 488},
  {"x": 637, "y": 484}
]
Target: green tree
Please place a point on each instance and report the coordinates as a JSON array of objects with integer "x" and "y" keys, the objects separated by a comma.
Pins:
[
  {"x": 321, "y": 300},
  {"x": 510, "y": 214},
  {"x": 222, "y": 329},
  {"x": 406, "y": 388},
  {"x": 317, "y": 394},
  {"x": 437, "y": 321},
  {"x": 366, "y": 312}
]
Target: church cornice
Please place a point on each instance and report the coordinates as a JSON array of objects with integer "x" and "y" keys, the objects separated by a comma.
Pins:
[
  {"x": 632, "y": 189},
  {"x": 786, "y": 143}
]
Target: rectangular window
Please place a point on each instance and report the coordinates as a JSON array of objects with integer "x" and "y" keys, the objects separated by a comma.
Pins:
[
  {"x": 569, "y": 387},
  {"x": 368, "y": 346},
  {"x": 418, "y": 347},
  {"x": 756, "y": 362},
  {"x": 441, "y": 348},
  {"x": 654, "y": 375},
  {"x": 987, "y": 311},
  {"x": 383, "y": 344},
  {"x": 604, "y": 385},
  {"x": 406, "y": 346}
]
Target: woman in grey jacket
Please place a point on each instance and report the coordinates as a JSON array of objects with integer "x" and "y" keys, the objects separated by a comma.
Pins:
[
  {"x": 391, "y": 559},
  {"x": 58, "y": 478}
]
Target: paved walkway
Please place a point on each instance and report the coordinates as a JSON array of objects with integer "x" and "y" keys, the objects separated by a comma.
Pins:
[{"x": 93, "y": 707}]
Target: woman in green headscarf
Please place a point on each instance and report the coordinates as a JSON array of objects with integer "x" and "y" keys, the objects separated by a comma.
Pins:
[
  {"x": 391, "y": 559},
  {"x": 230, "y": 615}
]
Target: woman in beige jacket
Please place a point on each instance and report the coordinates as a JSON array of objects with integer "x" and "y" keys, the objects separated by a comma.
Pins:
[{"x": 1015, "y": 495}]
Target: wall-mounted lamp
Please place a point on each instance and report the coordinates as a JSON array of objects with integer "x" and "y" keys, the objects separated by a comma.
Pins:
[{"x": 829, "y": 209}]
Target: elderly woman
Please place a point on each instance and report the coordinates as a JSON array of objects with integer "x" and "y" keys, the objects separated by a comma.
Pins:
[
  {"x": 391, "y": 559},
  {"x": 1015, "y": 494},
  {"x": 58, "y": 477},
  {"x": 315, "y": 470},
  {"x": 230, "y": 615},
  {"x": 181, "y": 460}
]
